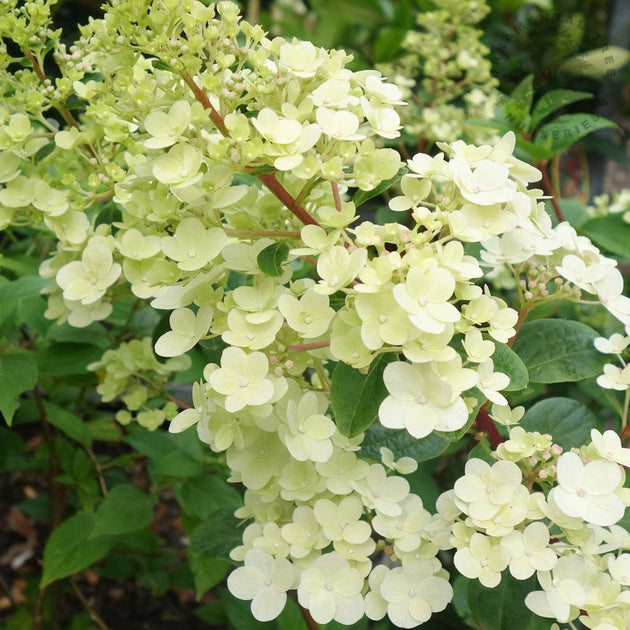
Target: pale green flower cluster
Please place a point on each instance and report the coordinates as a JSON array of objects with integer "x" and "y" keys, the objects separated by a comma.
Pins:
[
  {"x": 444, "y": 73},
  {"x": 619, "y": 204},
  {"x": 133, "y": 375},
  {"x": 540, "y": 511},
  {"x": 616, "y": 377}
]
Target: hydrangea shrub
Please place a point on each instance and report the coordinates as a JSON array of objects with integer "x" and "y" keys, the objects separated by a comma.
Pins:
[{"x": 183, "y": 159}]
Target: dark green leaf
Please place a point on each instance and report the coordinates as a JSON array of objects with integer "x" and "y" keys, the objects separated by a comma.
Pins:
[
  {"x": 291, "y": 618},
  {"x": 22, "y": 288},
  {"x": 45, "y": 151},
  {"x": 361, "y": 196},
  {"x": 508, "y": 362},
  {"x": 178, "y": 464},
  {"x": 503, "y": 607},
  {"x": 18, "y": 373},
  {"x": 70, "y": 548},
  {"x": 518, "y": 105},
  {"x": 271, "y": 258},
  {"x": 568, "y": 421},
  {"x": 125, "y": 509},
  {"x": 555, "y": 100},
  {"x": 240, "y": 615},
  {"x": 207, "y": 571},
  {"x": 355, "y": 397},
  {"x": 566, "y": 130},
  {"x": 388, "y": 43},
  {"x": 65, "y": 359},
  {"x": 558, "y": 351},
  {"x": 70, "y": 424},
  {"x": 401, "y": 444},
  {"x": 203, "y": 495},
  {"x": 158, "y": 64},
  {"x": 532, "y": 152},
  {"x": 611, "y": 232},
  {"x": 217, "y": 535}
]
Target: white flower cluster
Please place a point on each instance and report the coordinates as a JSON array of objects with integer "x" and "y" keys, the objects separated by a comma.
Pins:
[
  {"x": 615, "y": 377},
  {"x": 225, "y": 160},
  {"x": 444, "y": 73},
  {"x": 541, "y": 511},
  {"x": 619, "y": 204}
]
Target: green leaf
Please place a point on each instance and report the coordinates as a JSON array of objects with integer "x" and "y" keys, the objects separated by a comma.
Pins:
[
  {"x": 18, "y": 373},
  {"x": 566, "y": 130},
  {"x": 568, "y": 421},
  {"x": 388, "y": 43},
  {"x": 611, "y": 232},
  {"x": 518, "y": 105},
  {"x": 361, "y": 196},
  {"x": 65, "y": 359},
  {"x": 70, "y": 424},
  {"x": 555, "y": 100},
  {"x": 355, "y": 397},
  {"x": 503, "y": 607},
  {"x": 508, "y": 362},
  {"x": 178, "y": 464},
  {"x": 71, "y": 549},
  {"x": 217, "y": 535},
  {"x": 271, "y": 258},
  {"x": 203, "y": 495},
  {"x": 125, "y": 509},
  {"x": 558, "y": 351},
  {"x": 20, "y": 289},
  {"x": 401, "y": 444},
  {"x": 45, "y": 151},
  {"x": 207, "y": 571},
  {"x": 291, "y": 618},
  {"x": 597, "y": 63}
]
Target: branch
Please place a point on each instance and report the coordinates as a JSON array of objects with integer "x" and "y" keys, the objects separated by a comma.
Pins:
[
  {"x": 280, "y": 192},
  {"x": 94, "y": 616},
  {"x": 202, "y": 97},
  {"x": 548, "y": 188},
  {"x": 485, "y": 423},
  {"x": 269, "y": 180},
  {"x": 65, "y": 113}
]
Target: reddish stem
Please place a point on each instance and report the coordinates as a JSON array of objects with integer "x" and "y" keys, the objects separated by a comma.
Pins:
[
  {"x": 310, "y": 622},
  {"x": 485, "y": 423},
  {"x": 271, "y": 181},
  {"x": 202, "y": 97},
  {"x": 65, "y": 114},
  {"x": 548, "y": 188},
  {"x": 519, "y": 322},
  {"x": 315, "y": 345}
]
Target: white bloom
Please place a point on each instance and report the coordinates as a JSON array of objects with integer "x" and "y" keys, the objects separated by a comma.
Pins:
[
  {"x": 380, "y": 492},
  {"x": 242, "y": 379},
  {"x": 563, "y": 593},
  {"x": 615, "y": 377},
  {"x": 588, "y": 490},
  {"x": 616, "y": 344},
  {"x": 488, "y": 183},
  {"x": 483, "y": 560},
  {"x": 187, "y": 328},
  {"x": 608, "y": 445},
  {"x": 413, "y": 592},
  {"x": 331, "y": 589},
  {"x": 529, "y": 551},
  {"x": 420, "y": 401},
  {"x": 265, "y": 580}
]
